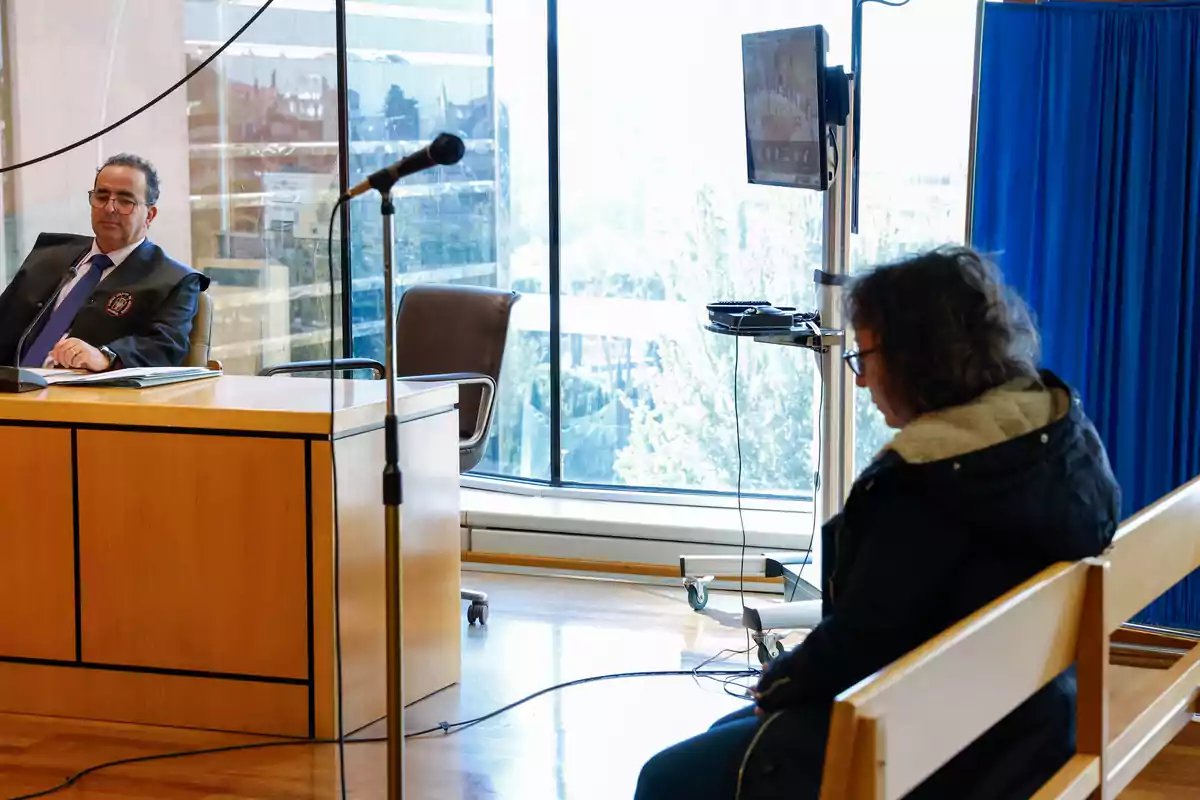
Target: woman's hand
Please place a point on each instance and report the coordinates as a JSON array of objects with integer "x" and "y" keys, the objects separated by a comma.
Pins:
[{"x": 772, "y": 685}]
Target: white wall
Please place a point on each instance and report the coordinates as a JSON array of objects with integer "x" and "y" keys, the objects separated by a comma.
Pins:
[{"x": 78, "y": 65}]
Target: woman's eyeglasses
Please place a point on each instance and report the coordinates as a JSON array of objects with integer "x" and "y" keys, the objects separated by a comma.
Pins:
[
  {"x": 101, "y": 199},
  {"x": 854, "y": 359}
]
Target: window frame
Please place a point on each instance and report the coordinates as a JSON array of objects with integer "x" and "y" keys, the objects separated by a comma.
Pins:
[{"x": 555, "y": 485}]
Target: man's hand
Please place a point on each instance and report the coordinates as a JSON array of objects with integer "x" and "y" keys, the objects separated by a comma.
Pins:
[{"x": 78, "y": 354}]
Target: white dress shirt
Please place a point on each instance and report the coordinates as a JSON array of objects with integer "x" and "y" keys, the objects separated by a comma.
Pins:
[{"x": 85, "y": 264}]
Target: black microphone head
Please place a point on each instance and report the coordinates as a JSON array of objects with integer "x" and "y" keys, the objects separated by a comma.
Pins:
[{"x": 446, "y": 149}]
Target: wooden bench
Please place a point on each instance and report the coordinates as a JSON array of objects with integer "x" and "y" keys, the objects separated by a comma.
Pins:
[{"x": 1137, "y": 688}]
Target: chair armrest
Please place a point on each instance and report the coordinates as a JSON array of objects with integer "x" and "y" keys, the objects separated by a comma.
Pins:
[
  {"x": 338, "y": 365},
  {"x": 487, "y": 402},
  {"x": 469, "y": 378}
]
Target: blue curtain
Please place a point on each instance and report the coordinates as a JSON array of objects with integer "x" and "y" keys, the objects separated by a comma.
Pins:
[{"x": 1087, "y": 194}]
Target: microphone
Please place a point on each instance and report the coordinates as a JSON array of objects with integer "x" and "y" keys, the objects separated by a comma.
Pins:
[
  {"x": 443, "y": 151},
  {"x": 49, "y": 304}
]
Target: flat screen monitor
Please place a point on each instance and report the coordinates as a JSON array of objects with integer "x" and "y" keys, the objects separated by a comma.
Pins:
[{"x": 784, "y": 76}]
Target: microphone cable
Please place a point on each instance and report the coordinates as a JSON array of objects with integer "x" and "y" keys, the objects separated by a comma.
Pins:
[
  {"x": 97, "y": 135},
  {"x": 819, "y": 432},
  {"x": 445, "y": 728},
  {"x": 337, "y": 526},
  {"x": 723, "y": 676},
  {"x": 737, "y": 428},
  {"x": 93, "y": 137},
  {"x": 49, "y": 304}
]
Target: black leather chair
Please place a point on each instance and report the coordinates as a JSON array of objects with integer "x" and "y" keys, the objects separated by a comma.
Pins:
[{"x": 445, "y": 334}]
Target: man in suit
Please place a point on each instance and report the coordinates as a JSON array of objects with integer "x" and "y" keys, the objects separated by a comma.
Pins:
[{"x": 115, "y": 300}]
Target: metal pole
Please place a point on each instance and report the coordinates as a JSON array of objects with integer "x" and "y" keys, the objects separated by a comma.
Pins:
[
  {"x": 836, "y": 421},
  {"x": 392, "y": 500},
  {"x": 554, "y": 240},
  {"x": 343, "y": 148},
  {"x": 849, "y": 199},
  {"x": 969, "y": 235},
  {"x": 223, "y": 144}
]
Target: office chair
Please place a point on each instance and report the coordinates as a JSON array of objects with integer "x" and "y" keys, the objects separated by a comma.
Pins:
[
  {"x": 470, "y": 324},
  {"x": 200, "y": 339}
]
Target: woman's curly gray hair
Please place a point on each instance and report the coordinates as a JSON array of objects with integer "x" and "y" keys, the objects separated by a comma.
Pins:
[{"x": 948, "y": 328}]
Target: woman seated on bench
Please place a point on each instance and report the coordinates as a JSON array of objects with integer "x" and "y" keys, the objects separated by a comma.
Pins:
[{"x": 995, "y": 474}]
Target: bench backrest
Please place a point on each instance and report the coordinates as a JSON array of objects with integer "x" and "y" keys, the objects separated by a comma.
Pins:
[
  {"x": 896, "y": 728},
  {"x": 1153, "y": 550}
]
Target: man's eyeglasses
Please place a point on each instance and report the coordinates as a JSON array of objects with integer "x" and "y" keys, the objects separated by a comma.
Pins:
[
  {"x": 854, "y": 359},
  {"x": 101, "y": 199}
]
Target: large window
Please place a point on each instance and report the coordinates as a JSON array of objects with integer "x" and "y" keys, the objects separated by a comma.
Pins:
[
  {"x": 414, "y": 71},
  {"x": 918, "y": 67},
  {"x": 657, "y": 220},
  {"x": 654, "y": 212},
  {"x": 263, "y": 156},
  {"x": 247, "y": 152}
]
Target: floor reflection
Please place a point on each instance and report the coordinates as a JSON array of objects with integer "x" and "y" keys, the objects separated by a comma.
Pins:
[
  {"x": 580, "y": 743},
  {"x": 585, "y": 741}
]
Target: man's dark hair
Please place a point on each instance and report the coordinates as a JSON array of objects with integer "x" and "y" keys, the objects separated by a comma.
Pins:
[
  {"x": 948, "y": 329},
  {"x": 137, "y": 162}
]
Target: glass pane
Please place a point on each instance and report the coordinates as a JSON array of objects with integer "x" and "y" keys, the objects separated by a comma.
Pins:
[
  {"x": 416, "y": 70},
  {"x": 262, "y": 123},
  {"x": 658, "y": 219},
  {"x": 10, "y": 254},
  {"x": 246, "y": 154},
  {"x": 915, "y": 153}
]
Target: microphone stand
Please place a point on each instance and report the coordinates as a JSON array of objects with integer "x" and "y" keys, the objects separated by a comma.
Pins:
[
  {"x": 392, "y": 500},
  {"x": 449, "y": 149},
  {"x": 383, "y": 182}
]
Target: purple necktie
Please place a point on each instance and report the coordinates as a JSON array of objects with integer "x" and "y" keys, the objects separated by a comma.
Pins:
[{"x": 62, "y": 317}]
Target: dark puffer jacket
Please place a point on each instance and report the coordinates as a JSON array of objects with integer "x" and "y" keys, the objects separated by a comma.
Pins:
[{"x": 964, "y": 505}]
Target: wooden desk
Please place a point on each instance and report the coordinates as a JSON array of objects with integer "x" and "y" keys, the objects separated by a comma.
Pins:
[{"x": 167, "y": 555}]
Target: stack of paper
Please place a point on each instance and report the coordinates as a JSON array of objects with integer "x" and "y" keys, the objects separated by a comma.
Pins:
[{"x": 134, "y": 378}]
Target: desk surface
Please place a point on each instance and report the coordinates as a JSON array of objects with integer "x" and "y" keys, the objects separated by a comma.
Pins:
[{"x": 231, "y": 402}]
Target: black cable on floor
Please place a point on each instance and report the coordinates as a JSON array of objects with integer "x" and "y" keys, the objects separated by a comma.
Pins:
[{"x": 446, "y": 728}]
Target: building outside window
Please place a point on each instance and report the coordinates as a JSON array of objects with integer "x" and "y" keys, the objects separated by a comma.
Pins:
[
  {"x": 655, "y": 213},
  {"x": 263, "y": 155}
]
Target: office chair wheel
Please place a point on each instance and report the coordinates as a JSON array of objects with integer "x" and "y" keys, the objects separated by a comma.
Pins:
[
  {"x": 697, "y": 596},
  {"x": 477, "y": 612}
]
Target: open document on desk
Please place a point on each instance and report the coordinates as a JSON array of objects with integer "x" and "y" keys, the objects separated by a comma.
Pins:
[{"x": 133, "y": 378}]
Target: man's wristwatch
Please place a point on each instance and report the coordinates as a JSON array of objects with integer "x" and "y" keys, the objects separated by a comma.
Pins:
[{"x": 110, "y": 355}]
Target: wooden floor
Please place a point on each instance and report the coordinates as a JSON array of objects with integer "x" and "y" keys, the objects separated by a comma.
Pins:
[{"x": 581, "y": 743}]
